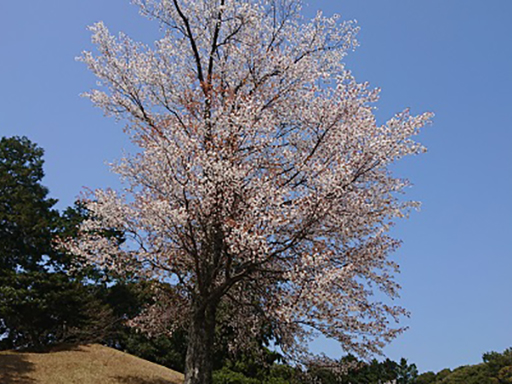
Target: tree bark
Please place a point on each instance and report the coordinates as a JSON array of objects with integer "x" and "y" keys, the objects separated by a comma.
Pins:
[{"x": 198, "y": 361}]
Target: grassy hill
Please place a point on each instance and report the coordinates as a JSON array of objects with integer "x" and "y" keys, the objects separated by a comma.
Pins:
[{"x": 89, "y": 364}]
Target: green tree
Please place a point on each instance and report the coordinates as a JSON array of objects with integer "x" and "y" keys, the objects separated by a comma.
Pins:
[
  {"x": 426, "y": 378},
  {"x": 27, "y": 221},
  {"x": 499, "y": 366},
  {"x": 406, "y": 373},
  {"x": 471, "y": 374},
  {"x": 443, "y": 374},
  {"x": 373, "y": 372},
  {"x": 495, "y": 369},
  {"x": 40, "y": 302},
  {"x": 26, "y": 213}
]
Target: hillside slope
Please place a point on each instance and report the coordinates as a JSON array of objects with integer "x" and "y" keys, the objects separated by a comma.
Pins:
[{"x": 89, "y": 364}]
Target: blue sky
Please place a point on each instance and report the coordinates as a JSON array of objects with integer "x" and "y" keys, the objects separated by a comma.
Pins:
[{"x": 450, "y": 57}]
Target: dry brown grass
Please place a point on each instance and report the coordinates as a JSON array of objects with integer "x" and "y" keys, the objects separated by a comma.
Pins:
[{"x": 89, "y": 364}]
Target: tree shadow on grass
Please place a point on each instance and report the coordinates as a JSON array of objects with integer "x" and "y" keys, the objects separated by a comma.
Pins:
[
  {"x": 15, "y": 369},
  {"x": 138, "y": 380},
  {"x": 64, "y": 347}
]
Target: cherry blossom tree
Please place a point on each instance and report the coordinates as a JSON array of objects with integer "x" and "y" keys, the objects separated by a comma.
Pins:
[{"x": 262, "y": 183}]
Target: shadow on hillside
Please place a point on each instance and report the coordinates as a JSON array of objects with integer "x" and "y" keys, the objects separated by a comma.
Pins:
[
  {"x": 138, "y": 380},
  {"x": 55, "y": 348},
  {"x": 15, "y": 369}
]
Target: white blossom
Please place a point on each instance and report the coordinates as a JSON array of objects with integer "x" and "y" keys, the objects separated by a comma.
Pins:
[{"x": 262, "y": 179}]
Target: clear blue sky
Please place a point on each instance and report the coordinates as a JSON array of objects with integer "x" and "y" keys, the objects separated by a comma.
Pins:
[{"x": 450, "y": 57}]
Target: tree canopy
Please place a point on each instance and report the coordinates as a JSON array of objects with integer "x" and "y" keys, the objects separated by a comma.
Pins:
[
  {"x": 262, "y": 183},
  {"x": 36, "y": 298}
]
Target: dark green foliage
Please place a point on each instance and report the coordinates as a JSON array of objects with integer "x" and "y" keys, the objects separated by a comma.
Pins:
[
  {"x": 263, "y": 366},
  {"x": 29, "y": 296},
  {"x": 405, "y": 373},
  {"x": 26, "y": 213},
  {"x": 499, "y": 366},
  {"x": 239, "y": 372},
  {"x": 40, "y": 302},
  {"x": 443, "y": 374},
  {"x": 374, "y": 372},
  {"x": 495, "y": 369},
  {"x": 472, "y": 374},
  {"x": 426, "y": 378},
  {"x": 163, "y": 350},
  {"x": 276, "y": 374},
  {"x": 227, "y": 376},
  {"x": 39, "y": 309}
]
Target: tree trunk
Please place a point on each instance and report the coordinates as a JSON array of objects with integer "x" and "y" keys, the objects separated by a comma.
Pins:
[{"x": 198, "y": 362}]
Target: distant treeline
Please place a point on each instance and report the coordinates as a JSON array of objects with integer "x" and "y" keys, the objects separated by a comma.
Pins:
[{"x": 495, "y": 369}]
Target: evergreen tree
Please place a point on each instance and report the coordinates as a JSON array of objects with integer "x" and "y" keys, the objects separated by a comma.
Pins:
[
  {"x": 40, "y": 302},
  {"x": 406, "y": 373}
]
